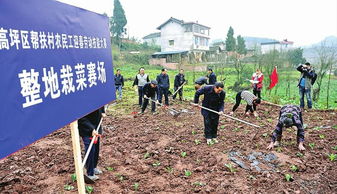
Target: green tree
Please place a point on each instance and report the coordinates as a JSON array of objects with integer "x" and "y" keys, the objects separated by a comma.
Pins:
[
  {"x": 327, "y": 57},
  {"x": 239, "y": 68},
  {"x": 230, "y": 40},
  {"x": 268, "y": 61},
  {"x": 241, "y": 47},
  {"x": 118, "y": 20},
  {"x": 295, "y": 57}
]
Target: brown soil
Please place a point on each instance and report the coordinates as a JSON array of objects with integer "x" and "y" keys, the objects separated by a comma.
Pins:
[{"x": 46, "y": 165}]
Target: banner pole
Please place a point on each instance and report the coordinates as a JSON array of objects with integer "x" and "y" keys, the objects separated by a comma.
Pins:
[{"x": 77, "y": 157}]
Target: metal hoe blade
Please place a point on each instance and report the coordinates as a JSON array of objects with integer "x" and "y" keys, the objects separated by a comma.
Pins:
[{"x": 172, "y": 111}]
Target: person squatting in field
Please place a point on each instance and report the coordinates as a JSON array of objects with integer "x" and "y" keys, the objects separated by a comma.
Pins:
[
  {"x": 214, "y": 98},
  {"x": 290, "y": 115},
  {"x": 251, "y": 99}
]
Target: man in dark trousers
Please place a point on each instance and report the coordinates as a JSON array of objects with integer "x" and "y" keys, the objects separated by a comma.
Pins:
[
  {"x": 179, "y": 80},
  {"x": 199, "y": 82},
  {"x": 164, "y": 86},
  {"x": 140, "y": 80},
  {"x": 250, "y": 98},
  {"x": 87, "y": 126},
  {"x": 214, "y": 98},
  {"x": 119, "y": 83},
  {"x": 150, "y": 90},
  {"x": 211, "y": 77},
  {"x": 305, "y": 83},
  {"x": 290, "y": 115}
]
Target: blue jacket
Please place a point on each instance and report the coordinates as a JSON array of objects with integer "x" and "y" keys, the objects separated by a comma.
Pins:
[
  {"x": 308, "y": 75},
  {"x": 179, "y": 80},
  {"x": 201, "y": 81},
  {"x": 212, "y": 78},
  {"x": 119, "y": 80},
  {"x": 211, "y": 100},
  {"x": 163, "y": 81}
]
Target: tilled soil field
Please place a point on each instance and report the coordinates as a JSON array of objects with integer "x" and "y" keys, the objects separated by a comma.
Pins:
[{"x": 161, "y": 154}]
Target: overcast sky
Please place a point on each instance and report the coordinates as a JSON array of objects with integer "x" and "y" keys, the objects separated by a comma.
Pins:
[{"x": 303, "y": 21}]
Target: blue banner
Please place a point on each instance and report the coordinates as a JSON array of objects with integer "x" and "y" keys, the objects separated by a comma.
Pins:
[{"x": 56, "y": 66}]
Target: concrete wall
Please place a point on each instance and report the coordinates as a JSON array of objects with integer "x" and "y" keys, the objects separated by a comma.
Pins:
[
  {"x": 162, "y": 62},
  {"x": 157, "y": 61}
]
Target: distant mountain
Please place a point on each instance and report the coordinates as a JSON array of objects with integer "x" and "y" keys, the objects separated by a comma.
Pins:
[
  {"x": 329, "y": 40},
  {"x": 310, "y": 53}
]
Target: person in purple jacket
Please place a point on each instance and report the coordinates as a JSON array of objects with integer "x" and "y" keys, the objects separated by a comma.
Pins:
[
  {"x": 214, "y": 98},
  {"x": 290, "y": 115}
]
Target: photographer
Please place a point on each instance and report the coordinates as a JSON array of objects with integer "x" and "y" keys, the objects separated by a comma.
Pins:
[{"x": 305, "y": 83}]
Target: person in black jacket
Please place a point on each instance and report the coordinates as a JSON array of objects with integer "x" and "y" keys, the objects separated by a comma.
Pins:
[
  {"x": 119, "y": 83},
  {"x": 305, "y": 83},
  {"x": 199, "y": 82},
  {"x": 150, "y": 90},
  {"x": 214, "y": 98},
  {"x": 164, "y": 86},
  {"x": 87, "y": 126},
  {"x": 211, "y": 77},
  {"x": 179, "y": 80}
]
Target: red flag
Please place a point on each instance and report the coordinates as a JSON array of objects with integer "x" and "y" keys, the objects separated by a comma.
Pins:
[{"x": 273, "y": 78}]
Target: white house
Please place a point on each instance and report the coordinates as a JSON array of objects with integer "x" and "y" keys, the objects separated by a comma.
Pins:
[
  {"x": 178, "y": 39},
  {"x": 153, "y": 39},
  {"x": 177, "y": 35},
  {"x": 276, "y": 45}
]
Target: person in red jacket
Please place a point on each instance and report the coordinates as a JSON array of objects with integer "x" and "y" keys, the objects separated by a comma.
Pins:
[{"x": 257, "y": 84}]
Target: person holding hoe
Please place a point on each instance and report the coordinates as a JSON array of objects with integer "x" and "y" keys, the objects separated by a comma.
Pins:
[
  {"x": 179, "y": 81},
  {"x": 87, "y": 127},
  {"x": 214, "y": 98},
  {"x": 199, "y": 82},
  {"x": 290, "y": 115},
  {"x": 150, "y": 90}
]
